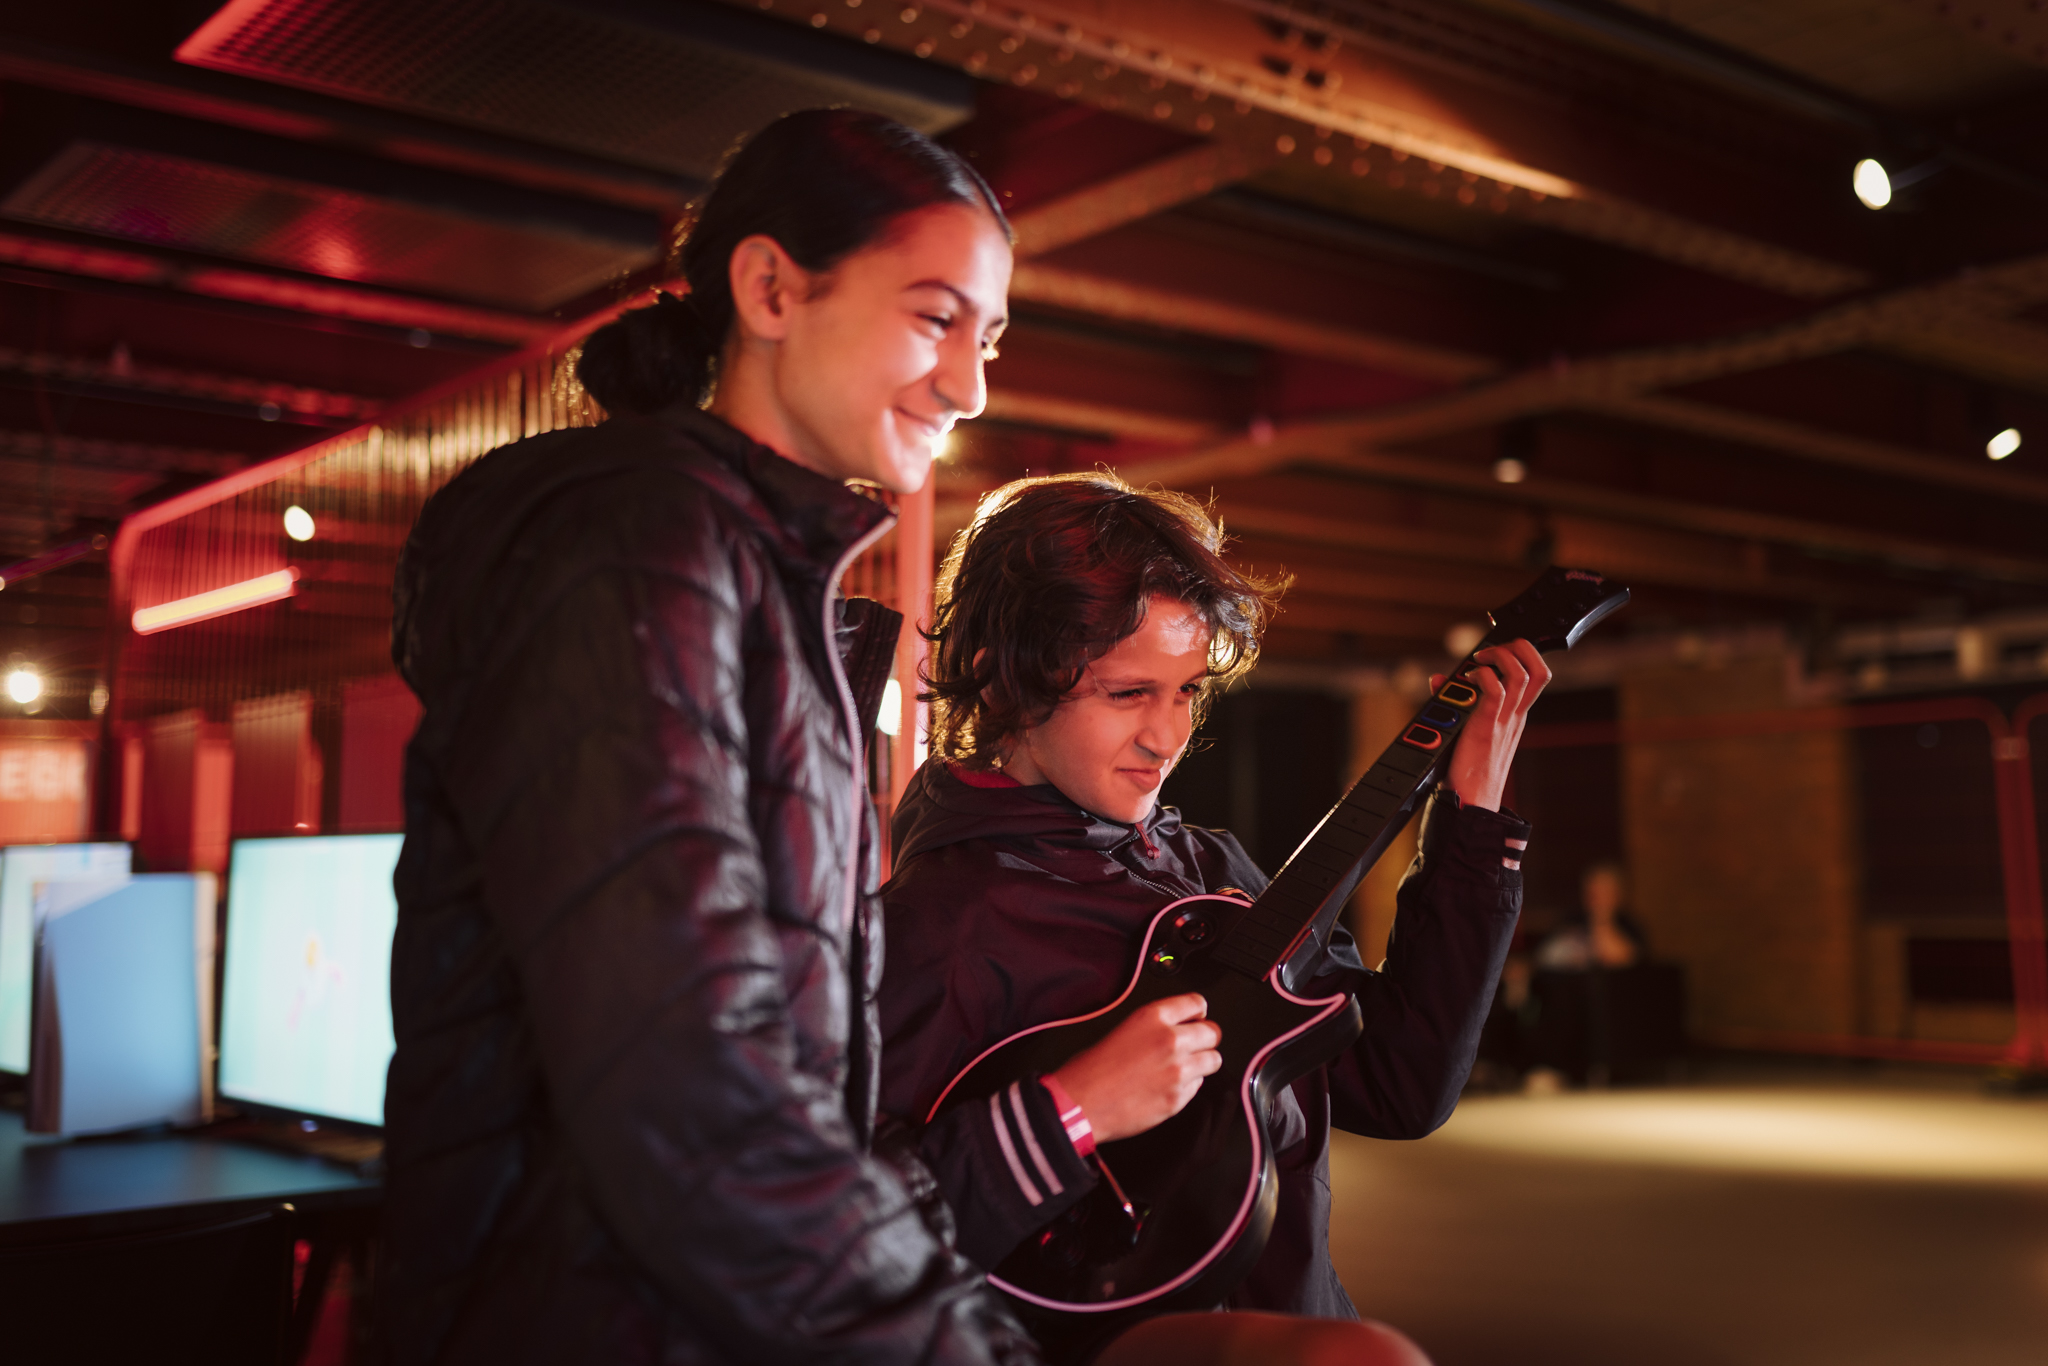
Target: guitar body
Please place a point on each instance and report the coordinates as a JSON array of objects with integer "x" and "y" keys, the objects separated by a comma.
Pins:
[{"x": 1202, "y": 1184}]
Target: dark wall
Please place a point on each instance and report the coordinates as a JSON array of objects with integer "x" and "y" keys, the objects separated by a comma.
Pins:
[
  {"x": 1930, "y": 823},
  {"x": 1571, "y": 796},
  {"x": 1930, "y": 814},
  {"x": 1266, "y": 766}
]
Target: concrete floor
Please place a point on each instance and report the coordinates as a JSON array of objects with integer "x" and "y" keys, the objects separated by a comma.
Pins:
[{"x": 1772, "y": 1219}]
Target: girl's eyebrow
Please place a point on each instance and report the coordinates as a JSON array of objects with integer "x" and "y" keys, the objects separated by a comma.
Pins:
[{"x": 967, "y": 305}]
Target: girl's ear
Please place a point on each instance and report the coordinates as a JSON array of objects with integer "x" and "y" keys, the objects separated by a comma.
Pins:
[{"x": 766, "y": 281}]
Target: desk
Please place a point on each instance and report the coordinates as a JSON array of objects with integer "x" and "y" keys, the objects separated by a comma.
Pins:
[
  {"x": 67, "y": 1188},
  {"x": 54, "y": 1189}
]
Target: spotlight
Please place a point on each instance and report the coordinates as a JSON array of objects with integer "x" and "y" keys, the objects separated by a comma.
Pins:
[
  {"x": 24, "y": 685},
  {"x": 298, "y": 523},
  {"x": 2004, "y": 444},
  {"x": 1509, "y": 470},
  {"x": 1873, "y": 184},
  {"x": 1881, "y": 186}
]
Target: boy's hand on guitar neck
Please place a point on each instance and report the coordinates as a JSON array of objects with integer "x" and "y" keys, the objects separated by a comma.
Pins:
[
  {"x": 1146, "y": 1070},
  {"x": 1513, "y": 679}
]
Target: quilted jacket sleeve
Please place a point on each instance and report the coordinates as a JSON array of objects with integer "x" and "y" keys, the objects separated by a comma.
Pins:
[
  {"x": 1455, "y": 915},
  {"x": 607, "y": 756},
  {"x": 1006, "y": 1168}
]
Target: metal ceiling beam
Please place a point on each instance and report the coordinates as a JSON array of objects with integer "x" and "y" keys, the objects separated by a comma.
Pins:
[
  {"x": 2018, "y": 28},
  {"x": 2001, "y": 350},
  {"x": 1962, "y": 300},
  {"x": 1699, "y": 563},
  {"x": 263, "y": 107},
  {"x": 1712, "y": 562},
  {"x": 419, "y": 320},
  {"x": 1680, "y": 49},
  {"x": 1196, "y": 65},
  {"x": 1349, "y": 533},
  {"x": 1642, "y": 510},
  {"x": 128, "y": 380},
  {"x": 138, "y": 457},
  {"x": 1152, "y": 188},
  {"x": 1079, "y": 415},
  {"x": 1563, "y": 496},
  {"x": 1175, "y": 311},
  {"x": 1413, "y": 589},
  {"x": 1307, "y": 612},
  {"x": 1263, "y": 212},
  {"x": 1813, "y": 443}
]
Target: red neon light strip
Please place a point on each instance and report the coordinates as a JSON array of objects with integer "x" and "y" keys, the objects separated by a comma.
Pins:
[{"x": 219, "y": 602}]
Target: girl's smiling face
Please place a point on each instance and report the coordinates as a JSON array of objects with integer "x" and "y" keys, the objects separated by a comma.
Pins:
[
  {"x": 861, "y": 372},
  {"x": 1111, "y": 741}
]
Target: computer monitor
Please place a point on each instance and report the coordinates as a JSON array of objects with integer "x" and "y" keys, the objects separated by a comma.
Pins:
[
  {"x": 306, "y": 998},
  {"x": 22, "y": 868}
]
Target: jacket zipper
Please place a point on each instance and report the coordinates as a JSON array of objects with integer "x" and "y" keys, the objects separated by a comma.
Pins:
[{"x": 850, "y": 715}]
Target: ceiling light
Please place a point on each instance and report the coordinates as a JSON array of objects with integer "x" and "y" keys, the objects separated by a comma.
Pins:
[
  {"x": 1509, "y": 470},
  {"x": 2004, "y": 444},
  {"x": 298, "y": 523},
  {"x": 24, "y": 685},
  {"x": 1873, "y": 185}
]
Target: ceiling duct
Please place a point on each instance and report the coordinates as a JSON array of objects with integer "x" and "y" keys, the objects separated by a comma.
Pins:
[
  {"x": 669, "y": 84},
  {"x": 114, "y": 172}
]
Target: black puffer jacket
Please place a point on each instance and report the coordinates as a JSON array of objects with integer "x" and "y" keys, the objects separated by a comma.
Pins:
[{"x": 630, "y": 1113}]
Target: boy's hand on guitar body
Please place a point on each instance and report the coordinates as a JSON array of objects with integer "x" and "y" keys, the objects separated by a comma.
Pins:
[
  {"x": 1148, "y": 1068},
  {"x": 1513, "y": 680}
]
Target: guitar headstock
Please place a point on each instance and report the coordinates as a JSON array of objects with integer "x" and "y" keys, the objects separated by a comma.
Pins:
[{"x": 1553, "y": 612}]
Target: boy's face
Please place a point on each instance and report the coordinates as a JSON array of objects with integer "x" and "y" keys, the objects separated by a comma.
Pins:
[{"x": 1111, "y": 742}]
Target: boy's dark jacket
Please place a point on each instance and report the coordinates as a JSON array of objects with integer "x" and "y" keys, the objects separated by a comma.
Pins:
[{"x": 1011, "y": 906}]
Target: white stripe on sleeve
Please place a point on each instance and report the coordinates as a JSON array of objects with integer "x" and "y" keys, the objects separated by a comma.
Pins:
[
  {"x": 995, "y": 1110},
  {"x": 1052, "y": 1180}
]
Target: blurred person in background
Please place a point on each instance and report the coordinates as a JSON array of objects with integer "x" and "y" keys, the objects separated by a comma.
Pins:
[
  {"x": 1585, "y": 1005},
  {"x": 1601, "y": 933}
]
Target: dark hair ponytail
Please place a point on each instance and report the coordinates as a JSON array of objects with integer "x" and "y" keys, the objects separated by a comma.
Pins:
[{"x": 823, "y": 183}]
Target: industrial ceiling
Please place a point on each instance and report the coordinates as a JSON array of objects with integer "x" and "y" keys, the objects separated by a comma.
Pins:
[{"x": 1424, "y": 291}]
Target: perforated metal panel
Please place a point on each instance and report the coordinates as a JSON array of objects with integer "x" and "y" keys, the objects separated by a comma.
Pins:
[
  {"x": 669, "y": 85},
  {"x": 149, "y": 196}
]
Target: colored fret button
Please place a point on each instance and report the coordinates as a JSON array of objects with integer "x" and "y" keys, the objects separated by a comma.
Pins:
[
  {"x": 1423, "y": 738},
  {"x": 1458, "y": 694}
]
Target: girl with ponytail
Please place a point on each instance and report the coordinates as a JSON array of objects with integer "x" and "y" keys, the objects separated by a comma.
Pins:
[{"x": 631, "y": 1114}]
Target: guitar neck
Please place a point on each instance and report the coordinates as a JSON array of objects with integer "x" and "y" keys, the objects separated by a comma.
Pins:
[
  {"x": 1291, "y": 920},
  {"x": 1289, "y": 924}
]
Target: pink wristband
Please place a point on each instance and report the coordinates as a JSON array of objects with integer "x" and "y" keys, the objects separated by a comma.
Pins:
[{"x": 1072, "y": 1118}]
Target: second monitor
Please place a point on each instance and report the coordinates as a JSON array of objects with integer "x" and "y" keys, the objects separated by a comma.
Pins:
[{"x": 306, "y": 1000}]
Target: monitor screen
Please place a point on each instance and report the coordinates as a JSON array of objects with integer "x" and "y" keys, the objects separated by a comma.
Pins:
[
  {"x": 306, "y": 998},
  {"x": 22, "y": 868}
]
